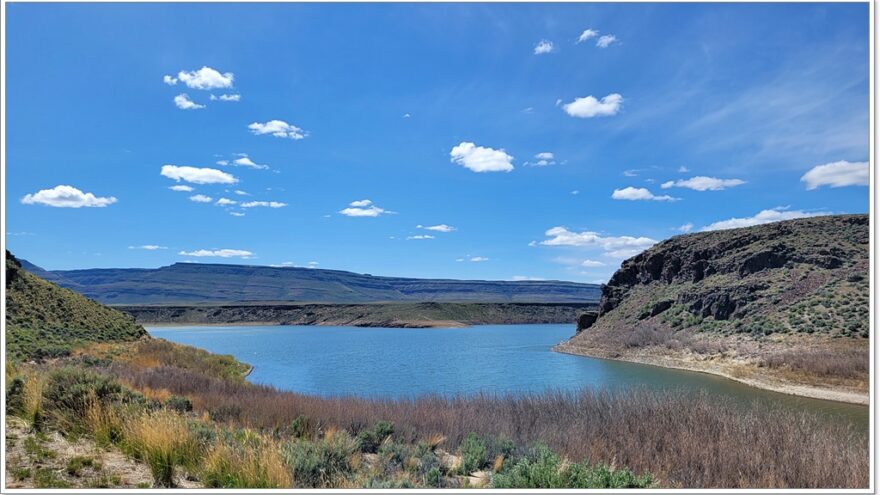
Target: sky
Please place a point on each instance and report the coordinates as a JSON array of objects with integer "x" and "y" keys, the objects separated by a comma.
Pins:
[{"x": 472, "y": 141}]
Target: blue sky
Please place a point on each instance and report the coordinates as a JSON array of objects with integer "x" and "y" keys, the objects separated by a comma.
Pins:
[{"x": 553, "y": 140}]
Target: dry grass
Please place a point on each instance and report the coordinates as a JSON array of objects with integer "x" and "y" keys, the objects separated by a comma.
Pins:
[
  {"x": 258, "y": 466},
  {"x": 684, "y": 440},
  {"x": 163, "y": 440},
  {"x": 842, "y": 363},
  {"x": 32, "y": 399}
]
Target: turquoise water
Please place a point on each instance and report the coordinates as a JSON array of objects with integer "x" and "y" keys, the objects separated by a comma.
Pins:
[{"x": 396, "y": 362}]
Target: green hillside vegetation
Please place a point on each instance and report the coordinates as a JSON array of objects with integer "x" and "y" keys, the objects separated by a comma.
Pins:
[{"x": 44, "y": 320}]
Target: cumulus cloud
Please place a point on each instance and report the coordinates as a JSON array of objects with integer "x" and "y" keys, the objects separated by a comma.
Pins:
[
  {"x": 419, "y": 237},
  {"x": 481, "y": 159},
  {"x": 169, "y": 80},
  {"x": 587, "y": 34},
  {"x": 764, "y": 216},
  {"x": 543, "y": 47},
  {"x": 478, "y": 259},
  {"x": 837, "y": 174},
  {"x": 184, "y": 103},
  {"x": 241, "y": 193},
  {"x": 363, "y": 208},
  {"x": 683, "y": 170},
  {"x": 606, "y": 41},
  {"x": 197, "y": 175},
  {"x": 204, "y": 78},
  {"x": 218, "y": 253},
  {"x": 639, "y": 194},
  {"x": 148, "y": 247},
  {"x": 200, "y": 198},
  {"x": 277, "y": 128},
  {"x": 685, "y": 228},
  {"x": 543, "y": 159},
  {"x": 702, "y": 183},
  {"x": 244, "y": 161},
  {"x": 181, "y": 188},
  {"x": 226, "y": 97},
  {"x": 236, "y": 213},
  {"x": 226, "y": 202},
  {"x": 616, "y": 247},
  {"x": 589, "y": 107},
  {"x": 437, "y": 228},
  {"x": 263, "y": 204},
  {"x": 67, "y": 197}
]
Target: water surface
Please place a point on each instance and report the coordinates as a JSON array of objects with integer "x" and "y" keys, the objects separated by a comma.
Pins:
[{"x": 397, "y": 362}]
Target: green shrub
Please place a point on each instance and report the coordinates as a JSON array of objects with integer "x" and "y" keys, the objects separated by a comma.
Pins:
[
  {"x": 179, "y": 404},
  {"x": 300, "y": 427},
  {"x": 77, "y": 463},
  {"x": 369, "y": 440},
  {"x": 434, "y": 478},
  {"x": 15, "y": 397},
  {"x": 474, "y": 454},
  {"x": 320, "y": 464},
  {"x": 542, "y": 468}
]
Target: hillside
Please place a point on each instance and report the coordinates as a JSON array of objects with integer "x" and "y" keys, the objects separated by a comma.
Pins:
[
  {"x": 782, "y": 305},
  {"x": 44, "y": 320},
  {"x": 183, "y": 283},
  {"x": 405, "y": 315}
]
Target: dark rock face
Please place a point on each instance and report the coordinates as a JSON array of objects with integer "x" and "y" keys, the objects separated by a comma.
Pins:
[
  {"x": 719, "y": 273},
  {"x": 586, "y": 320}
]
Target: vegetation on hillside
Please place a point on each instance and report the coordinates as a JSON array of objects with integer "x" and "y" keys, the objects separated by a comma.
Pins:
[{"x": 44, "y": 320}]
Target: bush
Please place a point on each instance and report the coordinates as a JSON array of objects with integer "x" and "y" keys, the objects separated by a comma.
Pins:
[
  {"x": 369, "y": 440},
  {"x": 70, "y": 391},
  {"x": 474, "y": 454},
  {"x": 241, "y": 465},
  {"x": 434, "y": 478},
  {"x": 542, "y": 468},
  {"x": 179, "y": 404},
  {"x": 321, "y": 464},
  {"x": 162, "y": 440}
]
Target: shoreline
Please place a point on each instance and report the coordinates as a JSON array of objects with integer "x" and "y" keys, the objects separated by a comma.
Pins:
[
  {"x": 397, "y": 324},
  {"x": 778, "y": 387}
]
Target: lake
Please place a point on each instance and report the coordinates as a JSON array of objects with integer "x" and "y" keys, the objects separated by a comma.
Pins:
[{"x": 398, "y": 362}]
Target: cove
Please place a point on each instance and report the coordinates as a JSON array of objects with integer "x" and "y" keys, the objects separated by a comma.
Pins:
[{"x": 405, "y": 363}]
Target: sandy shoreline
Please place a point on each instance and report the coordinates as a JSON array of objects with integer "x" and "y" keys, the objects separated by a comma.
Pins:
[{"x": 822, "y": 393}]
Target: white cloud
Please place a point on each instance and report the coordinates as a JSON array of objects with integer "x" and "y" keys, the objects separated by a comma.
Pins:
[
  {"x": 477, "y": 259},
  {"x": 226, "y": 202},
  {"x": 764, "y": 216},
  {"x": 218, "y": 253},
  {"x": 606, "y": 41},
  {"x": 67, "y": 197},
  {"x": 837, "y": 174},
  {"x": 682, "y": 169},
  {"x": 361, "y": 203},
  {"x": 369, "y": 211},
  {"x": 702, "y": 183},
  {"x": 685, "y": 228},
  {"x": 169, "y": 80},
  {"x": 588, "y": 106},
  {"x": 481, "y": 159},
  {"x": 241, "y": 193},
  {"x": 236, "y": 213},
  {"x": 639, "y": 194},
  {"x": 544, "y": 159},
  {"x": 543, "y": 47},
  {"x": 406, "y": 115},
  {"x": 277, "y": 128},
  {"x": 587, "y": 34},
  {"x": 245, "y": 161},
  {"x": 181, "y": 188},
  {"x": 148, "y": 247},
  {"x": 591, "y": 263},
  {"x": 524, "y": 278},
  {"x": 631, "y": 173},
  {"x": 197, "y": 175},
  {"x": 206, "y": 78},
  {"x": 622, "y": 246},
  {"x": 437, "y": 228},
  {"x": 419, "y": 237},
  {"x": 575, "y": 192},
  {"x": 200, "y": 198},
  {"x": 184, "y": 103},
  {"x": 226, "y": 97},
  {"x": 264, "y": 204}
]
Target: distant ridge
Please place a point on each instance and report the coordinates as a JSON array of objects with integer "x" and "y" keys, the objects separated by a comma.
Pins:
[{"x": 192, "y": 283}]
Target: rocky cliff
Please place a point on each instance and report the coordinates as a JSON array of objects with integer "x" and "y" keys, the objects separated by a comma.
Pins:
[{"x": 753, "y": 294}]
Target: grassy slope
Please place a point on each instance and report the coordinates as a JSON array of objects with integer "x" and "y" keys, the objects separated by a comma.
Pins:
[
  {"x": 788, "y": 301},
  {"x": 44, "y": 320}
]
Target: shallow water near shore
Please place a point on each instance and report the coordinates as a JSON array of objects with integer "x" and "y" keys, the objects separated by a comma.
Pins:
[{"x": 397, "y": 362}]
